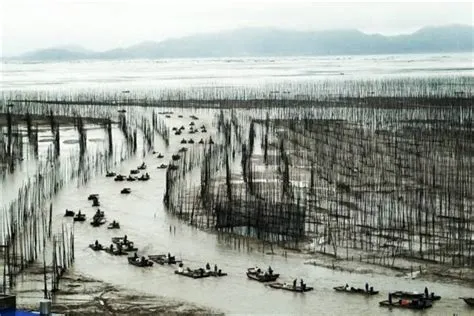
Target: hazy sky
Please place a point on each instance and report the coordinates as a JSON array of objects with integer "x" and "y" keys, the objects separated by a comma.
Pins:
[{"x": 105, "y": 24}]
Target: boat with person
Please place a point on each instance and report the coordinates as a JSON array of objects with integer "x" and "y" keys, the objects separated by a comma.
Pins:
[
  {"x": 140, "y": 262},
  {"x": 96, "y": 246},
  {"x": 130, "y": 178},
  {"x": 142, "y": 166},
  {"x": 144, "y": 177},
  {"x": 351, "y": 290},
  {"x": 195, "y": 274},
  {"x": 162, "y": 166},
  {"x": 114, "y": 225},
  {"x": 79, "y": 217},
  {"x": 98, "y": 222},
  {"x": 164, "y": 259},
  {"x": 416, "y": 295},
  {"x": 263, "y": 277},
  {"x": 160, "y": 156},
  {"x": 69, "y": 213},
  {"x": 110, "y": 174},
  {"x": 134, "y": 171},
  {"x": 121, "y": 240},
  {"x": 289, "y": 287},
  {"x": 468, "y": 300},
  {"x": 95, "y": 202}
]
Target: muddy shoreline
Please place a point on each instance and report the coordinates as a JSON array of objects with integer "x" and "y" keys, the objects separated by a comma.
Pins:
[{"x": 81, "y": 295}]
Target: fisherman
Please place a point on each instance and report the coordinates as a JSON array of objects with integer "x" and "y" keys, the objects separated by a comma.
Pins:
[
  {"x": 143, "y": 259},
  {"x": 96, "y": 243},
  {"x": 119, "y": 248},
  {"x": 79, "y": 214},
  {"x": 135, "y": 255},
  {"x": 371, "y": 290},
  {"x": 301, "y": 283},
  {"x": 294, "y": 283},
  {"x": 346, "y": 287},
  {"x": 427, "y": 293},
  {"x": 111, "y": 247},
  {"x": 180, "y": 268},
  {"x": 390, "y": 298},
  {"x": 125, "y": 239},
  {"x": 366, "y": 286},
  {"x": 270, "y": 271},
  {"x": 208, "y": 266},
  {"x": 215, "y": 268}
]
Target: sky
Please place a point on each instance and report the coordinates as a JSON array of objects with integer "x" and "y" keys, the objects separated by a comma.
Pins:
[{"x": 99, "y": 25}]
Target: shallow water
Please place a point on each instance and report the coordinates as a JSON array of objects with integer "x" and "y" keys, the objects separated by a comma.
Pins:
[{"x": 145, "y": 221}]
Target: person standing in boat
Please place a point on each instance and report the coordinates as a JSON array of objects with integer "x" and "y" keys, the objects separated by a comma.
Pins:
[
  {"x": 111, "y": 247},
  {"x": 125, "y": 239},
  {"x": 208, "y": 267},
  {"x": 215, "y": 268},
  {"x": 427, "y": 293},
  {"x": 96, "y": 243},
  {"x": 270, "y": 270},
  {"x": 294, "y": 283},
  {"x": 366, "y": 287},
  {"x": 180, "y": 268}
]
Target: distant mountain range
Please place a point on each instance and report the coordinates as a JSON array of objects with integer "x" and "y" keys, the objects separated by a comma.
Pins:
[{"x": 276, "y": 42}]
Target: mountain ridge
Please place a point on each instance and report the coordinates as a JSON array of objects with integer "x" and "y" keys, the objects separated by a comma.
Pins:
[{"x": 264, "y": 42}]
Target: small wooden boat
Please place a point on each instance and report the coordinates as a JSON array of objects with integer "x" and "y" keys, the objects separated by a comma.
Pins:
[
  {"x": 182, "y": 149},
  {"x": 289, "y": 287},
  {"x": 98, "y": 222},
  {"x": 115, "y": 252},
  {"x": 98, "y": 215},
  {"x": 178, "y": 132},
  {"x": 80, "y": 217},
  {"x": 69, "y": 213},
  {"x": 93, "y": 197},
  {"x": 130, "y": 178},
  {"x": 144, "y": 177},
  {"x": 211, "y": 142},
  {"x": 263, "y": 277},
  {"x": 96, "y": 247},
  {"x": 167, "y": 116},
  {"x": 134, "y": 171},
  {"x": 415, "y": 295},
  {"x": 114, "y": 225},
  {"x": 408, "y": 304},
  {"x": 190, "y": 141},
  {"x": 195, "y": 274},
  {"x": 201, "y": 141},
  {"x": 123, "y": 111},
  {"x": 468, "y": 300},
  {"x": 182, "y": 128},
  {"x": 142, "y": 166},
  {"x": 352, "y": 290},
  {"x": 162, "y": 166},
  {"x": 174, "y": 129},
  {"x": 126, "y": 191},
  {"x": 180, "y": 116},
  {"x": 183, "y": 141},
  {"x": 129, "y": 247},
  {"x": 140, "y": 262},
  {"x": 110, "y": 174},
  {"x": 203, "y": 131},
  {"x": 175, "y": 157},
  {"x": 194, "y": 117},
  {"x": 119, "y": 178},
  {"x": 159, "y": 156},
  {"x": 164, "y": 259},
  {"x": 121, "y": 241}
]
